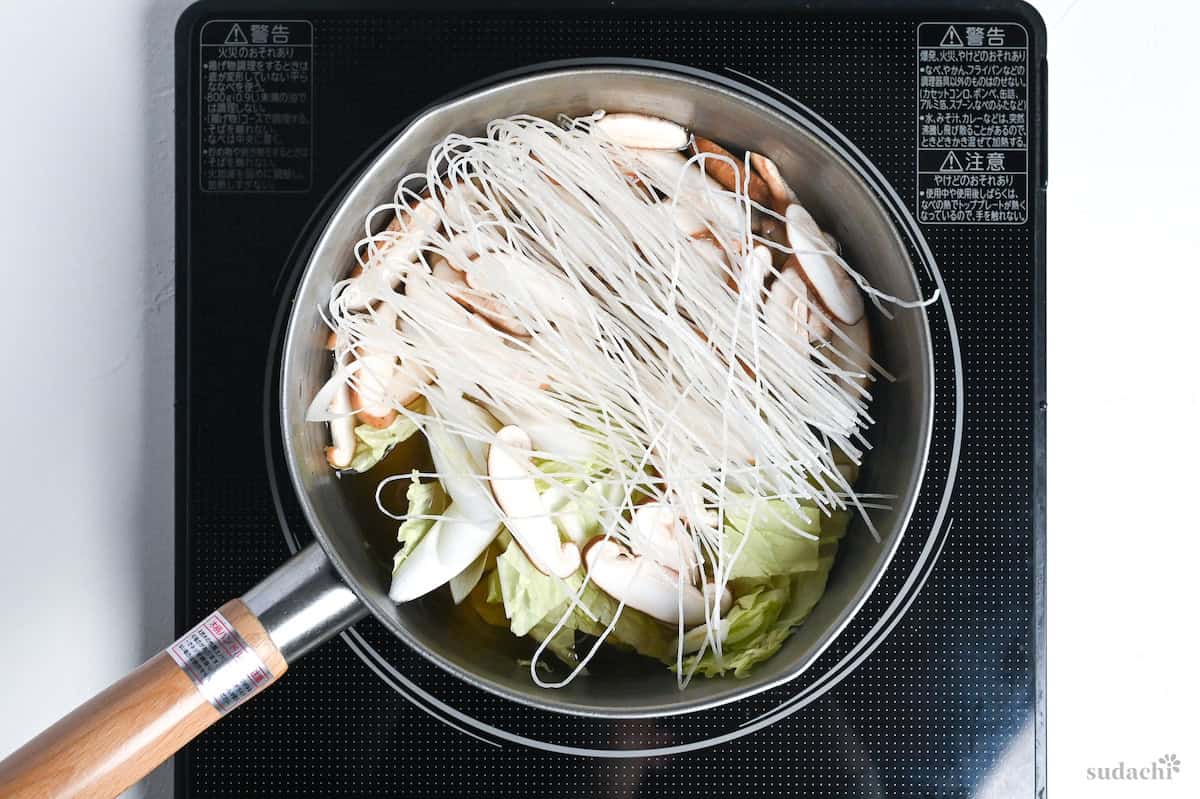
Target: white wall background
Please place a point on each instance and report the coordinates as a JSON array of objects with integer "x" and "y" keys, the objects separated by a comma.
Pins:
[
  {"x": 1124, "y": 397},
  {"x": 86, "y": 243},
  {"x": 86, "y": 169}
]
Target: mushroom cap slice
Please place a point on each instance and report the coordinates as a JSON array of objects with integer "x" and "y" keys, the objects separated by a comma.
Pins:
[
  {"x": 408, "y": 381},
  {"x": 696, "y": 190},
  {"x": 726, "y": 598},
  {"x": 526, "y": 517},
  {"x": 787, "y": 306},
  {"x": 442, "y": 270},
  {"x": 780, "y": 191},
  {"x": 787, "y": 310},
  {"x": 643, "y": 584},
  {"x": 493, "y": 310},
  {"x": 655, "y": 534},
  {"x": 371, "y": 412},
  {"x": 373, "y": 377},
  {"x": 457, "y": 286},
  {"x": 381, "y": 384},
  {"x": 642, "y": 131},
  {"x": 526, "y": 286},
  {"x": 756, "y": 267},
  {"x": 729, "y": 174},
  {"x": 833, "y": 285}
]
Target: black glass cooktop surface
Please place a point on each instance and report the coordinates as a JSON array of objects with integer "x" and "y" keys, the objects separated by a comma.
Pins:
[{"x": 935, "y": 688}]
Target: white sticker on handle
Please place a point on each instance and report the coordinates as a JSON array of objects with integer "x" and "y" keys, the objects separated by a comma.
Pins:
[{"x": 226, "y": 670}]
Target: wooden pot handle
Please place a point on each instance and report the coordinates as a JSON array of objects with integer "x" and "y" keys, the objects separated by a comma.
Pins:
[{"x": 118, "y": 736}]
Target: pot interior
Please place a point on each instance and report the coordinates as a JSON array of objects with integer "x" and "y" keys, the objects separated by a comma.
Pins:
[{"x": 361, "y": 541}]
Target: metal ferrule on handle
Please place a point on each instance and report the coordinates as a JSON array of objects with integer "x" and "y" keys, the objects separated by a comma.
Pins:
[{"x": 304, "y": 603}]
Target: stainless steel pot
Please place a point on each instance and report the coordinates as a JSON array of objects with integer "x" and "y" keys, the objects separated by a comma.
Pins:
[{"x": 340, "y": 579}]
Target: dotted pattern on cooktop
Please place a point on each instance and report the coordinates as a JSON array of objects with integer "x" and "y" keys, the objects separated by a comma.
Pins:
[{"x": 928, "y": 714}]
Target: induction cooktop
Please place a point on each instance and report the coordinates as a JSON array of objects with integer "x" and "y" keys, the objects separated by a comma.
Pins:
[{"x": 935, "y": 689}]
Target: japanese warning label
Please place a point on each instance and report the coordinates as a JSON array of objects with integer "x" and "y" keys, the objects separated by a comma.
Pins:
[
  {"x": 256, "y": 106},
  {"x": 972, "y": 123}
]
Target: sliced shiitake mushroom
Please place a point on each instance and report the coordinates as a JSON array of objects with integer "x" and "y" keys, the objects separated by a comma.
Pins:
[
  {"x": 373, "y": 376},
  {"x": 643, "y": 584},
  {"x": 787, "y": 307},
  {"x": 656, "y": 534},
  {"x": 828, "y": 278},
  {"x": 642, "y": 131},
  {"x": 781, "y": 193},
  {"x": 672, "y": 171},
  {"x": 758, "y": 266},
  {"x": 729, "y": 174},
  {"x": 648, "y": 586},
  {"x": 475, "y": 299}
]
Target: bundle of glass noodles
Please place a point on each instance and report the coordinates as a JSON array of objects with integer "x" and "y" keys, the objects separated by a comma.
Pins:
[{"x": 644, "y": 374}]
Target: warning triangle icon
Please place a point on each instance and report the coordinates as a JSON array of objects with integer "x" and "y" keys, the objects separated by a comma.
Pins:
[
  {"x": 952, "y": 39},
  {"x": 236, "y": 35},
  {"x": 951, "y": 163}
]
